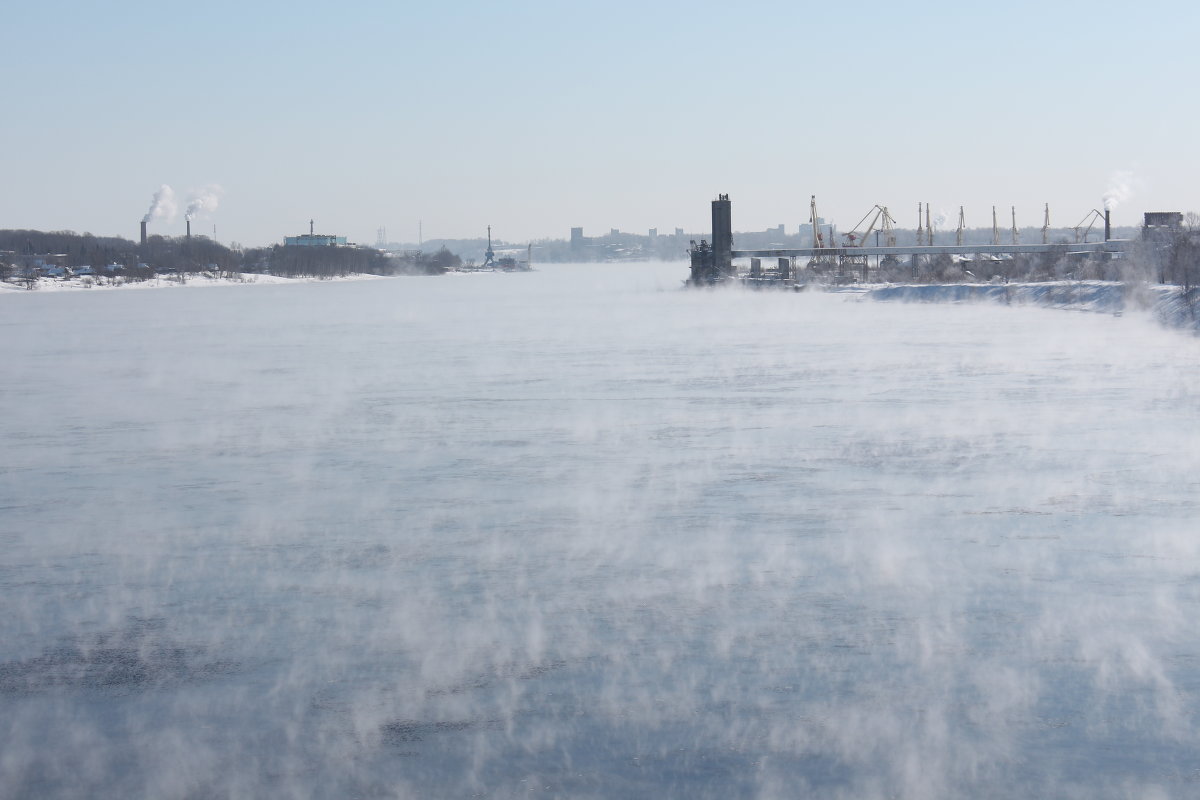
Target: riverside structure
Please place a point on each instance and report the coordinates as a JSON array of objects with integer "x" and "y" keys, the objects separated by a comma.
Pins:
[{"x": 714, "y": 262}]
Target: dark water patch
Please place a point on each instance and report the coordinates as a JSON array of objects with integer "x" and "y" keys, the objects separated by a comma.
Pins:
[
  {"x": 406, "y": 731},
  {"x": 139, "y": 656},
  {"x": 511, "y": 671},
  {"x": 527, "y": 673}
]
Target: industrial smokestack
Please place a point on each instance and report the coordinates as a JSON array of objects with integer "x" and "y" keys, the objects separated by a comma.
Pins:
[
  {"x": 189, "y": 229},
  {"x": 722, "y": 243},
  {"x": 1107, "y": 224},
  {"x": 143, "y": 233}
]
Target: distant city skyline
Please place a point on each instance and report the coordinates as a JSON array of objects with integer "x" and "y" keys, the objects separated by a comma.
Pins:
[{"x": 436, "y": 121}]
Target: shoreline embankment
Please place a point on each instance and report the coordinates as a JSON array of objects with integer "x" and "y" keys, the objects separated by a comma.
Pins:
[{"x": 1172, "y": 306}]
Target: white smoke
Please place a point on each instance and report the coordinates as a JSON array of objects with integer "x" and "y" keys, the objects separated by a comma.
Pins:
[
  {"x": 1120, "y": 188},
  {"x": 163, "y": 205},
  {"x": 203, "y": 201},
  {"x": 939, "y": 221}
]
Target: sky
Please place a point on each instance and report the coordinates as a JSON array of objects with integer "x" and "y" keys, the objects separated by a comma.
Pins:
[{"x": 535, "y": 117}]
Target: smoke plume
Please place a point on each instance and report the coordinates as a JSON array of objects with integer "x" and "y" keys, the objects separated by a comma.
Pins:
[
  {"x": 203, "y": 201},
  {"x": 1120, "y": 188},
  {"x": 163, "y": 205}
]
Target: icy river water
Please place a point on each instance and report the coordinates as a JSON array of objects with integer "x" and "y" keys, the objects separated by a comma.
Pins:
[{"x": 578, "y": 533}]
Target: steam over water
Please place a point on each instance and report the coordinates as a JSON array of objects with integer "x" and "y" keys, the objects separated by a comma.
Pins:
[{"x": 576, "y": 533}]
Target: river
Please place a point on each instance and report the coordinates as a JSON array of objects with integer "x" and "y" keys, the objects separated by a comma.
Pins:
[{"x": 580, "y": 533}]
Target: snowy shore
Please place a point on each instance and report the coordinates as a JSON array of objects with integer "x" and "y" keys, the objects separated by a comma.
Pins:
[
  {"x": 1171, "y": 305},
  {"x": 165, "y": 282}
]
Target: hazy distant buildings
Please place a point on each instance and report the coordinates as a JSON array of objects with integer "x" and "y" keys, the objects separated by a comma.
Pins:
[
  {"x": 618, "y": 245},
  {"x": 311, "y": 239},
  {"x": 315, "y": 240}
]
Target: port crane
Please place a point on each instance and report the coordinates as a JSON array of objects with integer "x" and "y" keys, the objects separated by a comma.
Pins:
[
  {"x": 489, "y": 257},
  {"x": 821, "y": 263},
  {"x": 889, "y": 234},
  {"x": 818, "y": 239},
  {"x": 1091, "y": 219},
  {"x": 878, "y": 215}
]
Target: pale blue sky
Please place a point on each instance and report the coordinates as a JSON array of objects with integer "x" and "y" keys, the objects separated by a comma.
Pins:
[{"x": 536, "y": 116}]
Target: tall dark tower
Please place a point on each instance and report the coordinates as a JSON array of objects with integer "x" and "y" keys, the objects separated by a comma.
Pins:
[{"x": 722, "y": 235}]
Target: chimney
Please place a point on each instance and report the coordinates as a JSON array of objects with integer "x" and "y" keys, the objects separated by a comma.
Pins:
[
  {"x": 189, "y": 229},
  {"x": 1107, "y": 225},
  {"x": 143, "y": 233},
  {"x": 722, "y": 245}
]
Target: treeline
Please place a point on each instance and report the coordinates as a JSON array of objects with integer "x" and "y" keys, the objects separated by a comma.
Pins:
[
  {"x": 79, "y": 248},
  {"x": 329, "y": 262},
  {"x": 319, "y": 262},
  {"x": 20, "y": 249}
]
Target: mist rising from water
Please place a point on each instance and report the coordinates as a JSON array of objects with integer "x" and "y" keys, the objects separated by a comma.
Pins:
[{"x": 579, "y": 530}]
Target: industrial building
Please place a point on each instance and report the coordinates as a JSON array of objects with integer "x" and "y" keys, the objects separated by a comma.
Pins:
[
  {"x": 1162, "y": 221},
  {"x": 312, "y": 239}
]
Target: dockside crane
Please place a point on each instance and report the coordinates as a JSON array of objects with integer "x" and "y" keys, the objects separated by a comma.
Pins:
[
  {"x": 1091, "y": 219},
  {"x": 489, "y": 257},
  {"x": 1046, "y": 226},
  {"x": 962, "y": 223},
  {"x": 818, "y": 239},
  {"x": 849, "y": 262},
  {"x": 823, "y": 263},
  {"x": 889, "y": 233},
  {"x": 876, "y": 214},
  {"x": 1016, "y": 236}
]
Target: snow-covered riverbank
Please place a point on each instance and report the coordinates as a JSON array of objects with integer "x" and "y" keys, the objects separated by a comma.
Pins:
[
  {"x": 1171, "y": 305},
  {"x": 164, "y": 282}
]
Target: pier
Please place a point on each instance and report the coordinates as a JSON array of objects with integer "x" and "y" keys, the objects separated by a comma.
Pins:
[{"x": 714, "y": 262}]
